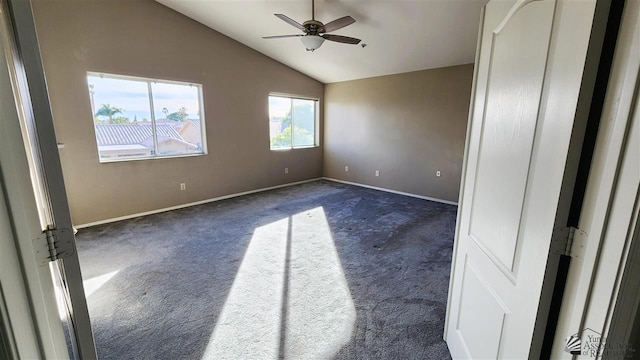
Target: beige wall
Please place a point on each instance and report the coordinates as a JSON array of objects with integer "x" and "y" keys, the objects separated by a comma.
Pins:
[
  {"x": 408, "y": 126},
  {"x": 144, "y": 38}
]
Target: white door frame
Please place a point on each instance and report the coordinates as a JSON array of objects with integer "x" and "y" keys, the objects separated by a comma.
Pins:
[
  {"x": 27, "y": 337},
  {"x": 35, "y": 193},
  {"x": 31, "y": 319},
  {"x": 609, "y": 212}
]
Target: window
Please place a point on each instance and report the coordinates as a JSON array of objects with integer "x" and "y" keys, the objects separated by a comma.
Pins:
[
  {"x": 137, "y": 118},
  {"x": 292, "y": 122}
]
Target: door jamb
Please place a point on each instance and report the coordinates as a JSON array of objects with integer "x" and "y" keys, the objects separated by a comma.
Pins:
[
  {"x": 31, "y": 317},
  {"x": 23, "y": 56},
  {"x": 622, "y": 93}
]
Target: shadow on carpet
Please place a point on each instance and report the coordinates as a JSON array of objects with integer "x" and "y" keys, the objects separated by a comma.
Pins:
[{"x": 320, "y": 270}]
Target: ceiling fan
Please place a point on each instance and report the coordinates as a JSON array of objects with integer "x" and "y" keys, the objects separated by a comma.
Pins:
[{"x": 315, "y": 32}]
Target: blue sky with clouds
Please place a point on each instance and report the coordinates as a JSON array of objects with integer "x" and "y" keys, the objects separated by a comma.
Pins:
[{"x": 132, "y": 96}]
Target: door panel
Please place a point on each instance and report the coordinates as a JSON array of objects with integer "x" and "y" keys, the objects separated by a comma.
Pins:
[
  {"x": 515, "y": 160},
  {"x": 511, "y": 70},
  {"x": 514, "y": 87},
  {"x": 481, "y": 315}
]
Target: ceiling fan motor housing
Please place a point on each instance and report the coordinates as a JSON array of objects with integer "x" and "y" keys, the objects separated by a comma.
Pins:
[{"x": 313, "y": 27}]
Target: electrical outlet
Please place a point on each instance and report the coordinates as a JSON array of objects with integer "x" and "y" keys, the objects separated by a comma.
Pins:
[
  {"x": 377, "y": 172},
  {"x": 183, "y": 186},
  {"x": 346, "y": 169},
  {"x": 438, "y": 173},
  {"x": 286, "y": 170}
]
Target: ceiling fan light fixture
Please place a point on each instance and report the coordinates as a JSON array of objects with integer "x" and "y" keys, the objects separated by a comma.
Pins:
[
  {"x": 312, "y": 42},
  {"x": 315, "y": 32}
]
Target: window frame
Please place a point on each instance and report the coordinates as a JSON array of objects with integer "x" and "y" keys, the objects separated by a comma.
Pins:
[
  {"x": 316, "y": 121},
  {"x": 149, "y": 81}
]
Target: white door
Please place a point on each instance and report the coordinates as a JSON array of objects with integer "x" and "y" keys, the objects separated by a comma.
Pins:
[
  {"x": 529, "y": 67},
  {"x": 49, "y": 246}
]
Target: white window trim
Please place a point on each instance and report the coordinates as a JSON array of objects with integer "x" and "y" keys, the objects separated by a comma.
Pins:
[
  {"x": 203, "y": 130},
  {"x": 316, "y": 123}
]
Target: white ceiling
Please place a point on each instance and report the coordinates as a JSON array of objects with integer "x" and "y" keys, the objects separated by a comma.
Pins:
[{"x": 400, "y": 35}]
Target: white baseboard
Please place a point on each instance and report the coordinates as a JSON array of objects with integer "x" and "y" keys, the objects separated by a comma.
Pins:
[
  {"x": 131, "y": 216},
  {"x": 393, "y": 191}
]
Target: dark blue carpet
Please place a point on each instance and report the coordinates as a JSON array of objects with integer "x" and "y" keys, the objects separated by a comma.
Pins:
[{"x": 166, "y": 278}]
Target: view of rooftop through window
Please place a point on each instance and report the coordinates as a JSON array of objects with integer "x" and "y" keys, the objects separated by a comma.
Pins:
[
  {"x": 142, "y": 118},
  {"x": 287, "y": 114}
]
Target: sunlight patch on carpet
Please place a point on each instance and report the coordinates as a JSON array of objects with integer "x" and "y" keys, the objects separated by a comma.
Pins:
[
  {"x": 93, "y": 284},
  {"x": 90, "y": 286},
  {"x": 290, "y": 298}
]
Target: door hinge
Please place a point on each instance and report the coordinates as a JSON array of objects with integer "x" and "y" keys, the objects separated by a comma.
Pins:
[
  {"x": 568, "y": 241},
  {"x": 59, "y": 244}
]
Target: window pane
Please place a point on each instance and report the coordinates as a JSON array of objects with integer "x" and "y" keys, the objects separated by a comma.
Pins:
[
  {"x": 280, "y": 122},
  {"x": 177, "y": 111},
  {"x": 125, "y": 126},
  {"x": 304, "y": 122},
  {"x": 121, "y": 117}
]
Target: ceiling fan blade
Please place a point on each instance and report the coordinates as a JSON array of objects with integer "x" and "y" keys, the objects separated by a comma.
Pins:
[
  {"x": 281, "y": 36},
  {"x": 290, "y": 21},
  {"x": 338, "y": 24},
  {"x": 341, "y": 39}
]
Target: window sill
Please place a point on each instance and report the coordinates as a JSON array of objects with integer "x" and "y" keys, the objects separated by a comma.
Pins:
[
  {"x": 295, "y": 148},
  {"x": 117, "y": 160}
]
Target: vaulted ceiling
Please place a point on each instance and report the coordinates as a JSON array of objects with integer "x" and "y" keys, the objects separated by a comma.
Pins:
[{"x": 400, "y": 35}]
